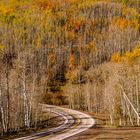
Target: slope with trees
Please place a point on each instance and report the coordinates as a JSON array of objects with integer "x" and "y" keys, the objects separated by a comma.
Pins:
[{"x": 84, "y": 53}]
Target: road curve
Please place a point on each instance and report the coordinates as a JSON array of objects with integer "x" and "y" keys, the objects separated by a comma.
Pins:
[{"x": 75, "y": 122}]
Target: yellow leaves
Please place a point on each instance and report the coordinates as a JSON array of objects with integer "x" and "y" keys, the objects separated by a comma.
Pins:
[
  {"x": 43, "y": 3},
  {"x": 71, "y": 35},
  {"x": 122, "y": 23},
  {"x": 135, "y": 23},
  {"x": 132, "y": 57},
  {"x": 38, "y": 42},
  {"x": 84, "y": 4},
  {"x": 80, "y": 38},
  {"x": 91, "y": 46},
  {"x": 71, "y": 1},
  {"x": 72, "y": 75},
  {"x": 2, "y": 47},
  {"x": 71, "y": 61},
  {"x": 48, "y": 6},
  {"x": 130, "y": 18},
  {"x": 116, "y": 57},
  {"x": 8, "y": 13},
  {"x": 6, "y": 10},
  {"x": 70, "y": 24},
  {"x": 48, "y": 11},
  {"x": 12, "y": 2},
  {"x": 136, "y": 52},
  {"x": 129, "y": 57}
]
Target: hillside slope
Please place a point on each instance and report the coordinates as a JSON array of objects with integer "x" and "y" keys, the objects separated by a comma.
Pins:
[{"x": 81, "y": 53}]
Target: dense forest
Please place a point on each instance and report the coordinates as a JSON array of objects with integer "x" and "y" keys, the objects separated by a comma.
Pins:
[{"x": 80, "y": 53}]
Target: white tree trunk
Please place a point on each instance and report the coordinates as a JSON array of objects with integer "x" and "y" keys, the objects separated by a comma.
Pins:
[
  {"x": 2, "y": 113},
  {"x": 26, "y": 108},
  {"x": 137, "y": 93}
]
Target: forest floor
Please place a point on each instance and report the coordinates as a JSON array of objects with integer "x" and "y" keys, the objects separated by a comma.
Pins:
[
  {"x": 101, "y": 132},
  {"x": 48, "y": 121}
]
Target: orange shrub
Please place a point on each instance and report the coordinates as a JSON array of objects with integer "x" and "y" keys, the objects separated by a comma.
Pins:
[{"x": 116, "y": 57}]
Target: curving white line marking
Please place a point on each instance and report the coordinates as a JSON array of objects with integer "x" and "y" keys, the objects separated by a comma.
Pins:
[
  {"x": 34, "y": 135},
  {"x": 86, "y": 123}
]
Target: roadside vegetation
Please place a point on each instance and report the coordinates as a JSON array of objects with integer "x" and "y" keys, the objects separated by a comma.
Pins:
[{"x": 80, "y": 53}]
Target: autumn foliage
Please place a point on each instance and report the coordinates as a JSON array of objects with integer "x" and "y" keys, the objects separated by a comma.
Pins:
[
  {"x": 49, "y": 44},
  {"x": 130, "y": 57}
]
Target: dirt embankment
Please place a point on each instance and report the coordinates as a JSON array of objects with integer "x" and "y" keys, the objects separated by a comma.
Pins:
[
  {"x": 47, "y": 121},
  {"x": 102, "y": 132}
]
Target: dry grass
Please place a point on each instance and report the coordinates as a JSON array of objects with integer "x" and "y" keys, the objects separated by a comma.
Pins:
[
  {"x": 109, "y": 134},
  {"x": 102, "y": 132},
  {"x": 47, "y": 121}
]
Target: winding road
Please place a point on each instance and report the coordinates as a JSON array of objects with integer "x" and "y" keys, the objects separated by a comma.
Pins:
[{"x": 75, "y": 122}]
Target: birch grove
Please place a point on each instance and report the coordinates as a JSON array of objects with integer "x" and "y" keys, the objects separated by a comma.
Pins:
[{"x": 80, "y": 53}]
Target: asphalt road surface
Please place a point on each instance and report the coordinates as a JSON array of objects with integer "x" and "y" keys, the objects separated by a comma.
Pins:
[{"x": 75, "y": 122}]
